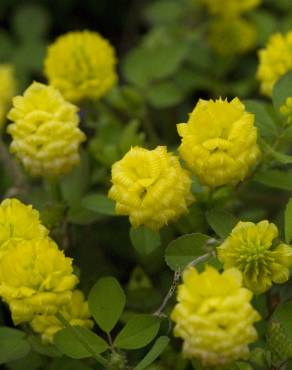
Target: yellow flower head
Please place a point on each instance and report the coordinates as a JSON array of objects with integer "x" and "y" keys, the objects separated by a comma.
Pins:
[
  {"x": 227, "y": 8},
  {"x": 150, "y": 186},
  {"x": 274, "y": 61},
  {"x": 214, "y": 316},
  {"x": 249, "y": 248},
  {"x": 7, "y": 89},
  {"x": 237, "y": 36},
  {"x": 76, "y": 313},
  {"x": 219, "y": 142},
  {"x": 19, "y": 221},
  {"x": 45, "y": 131},
  {"x": 81, "y": 65},
  {"x": 35, "y": 278}
]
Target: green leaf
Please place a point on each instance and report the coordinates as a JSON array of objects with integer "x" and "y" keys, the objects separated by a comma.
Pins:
[
  {"x": 106, "y": 303},
  {"x": 275, "y": 179},
  {"x": 221, "y": 222},
  {"x": 74, "y": 185},
  {"x": 144, "y": 240},
  {"x": 283, "y": 316},
  {"x": 165, "y": 11},
  {"x": 263, "y": 121},
  {"x": 100, "y": 204},
  {"x": 68, "y": 343},
  {"x": 282, "y": 90},
  {"x": 13, "y": 346},
  {"x": 164, "y": 94},
  {"x": 44, "y": 349},
  {"x": 159, "y": 346},
  {"x": 139, "y": 331},
  {"x": 149, "y": 63},
  {"x": 183, "y": 250},
  {"x": 288, "y": 221}
]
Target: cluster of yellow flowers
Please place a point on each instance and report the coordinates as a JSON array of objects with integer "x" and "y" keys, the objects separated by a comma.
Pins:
[
  {"x": 36, "y": 278},
  {"x": 7, "y": 90},
  {"x": 45, "y": 131},
  {"x": 150, "y": 186},
  {"x": 274, "y": 61},
  {"x": 229, "y": 32},
  {"x": 219, "y": 145},
  {"x": 214, "y": 316}
]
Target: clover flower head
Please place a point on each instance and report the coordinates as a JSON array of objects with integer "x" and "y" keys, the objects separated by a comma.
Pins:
[
  {"x": 214, "y": 316},
  {"x": 7, "y": 89},
  {"x": 19, "y": 221},
  {"x": 151, "y": 187},
  {"x": 35, "y": 278},
  {"x": 237, "y": 36},
  {"x": 45, "y": 131},
  {"x": 250, "y": 249},
  {"x": 230, "y": 8},
  {"x": 76, "y": 312},
  {"x": 219, "y": 142},
  {"x": 81, "y": 65},
  {"x": 274, "y": 61}
]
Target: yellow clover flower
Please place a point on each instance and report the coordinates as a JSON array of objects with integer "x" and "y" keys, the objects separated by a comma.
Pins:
[
  {"x": 76, "y": 313},
  {"x": 227, "y": 8},
  {"x": 19, "y": 221},
  {"x": 214, "y": 316},
  {"x": 219, "y": 142},
  {"x": 151, "y": 187},
  {"x": 237, "y": 36},
  {"x": 249, "y": 248},
  {"x": 81, "y": 65},
  {"x": 7, "y": 89},
  {"x": 35, "y": 278},
  {"x": 274, "y": 61},
  {"x": 45, "y": 131}
]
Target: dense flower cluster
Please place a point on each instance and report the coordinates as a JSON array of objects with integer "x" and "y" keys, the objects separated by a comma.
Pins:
[
  {"x": 274, "y": 61},
  {"x": 36, "y": 278},
  {"x": 76, "y": 313},
  {"x": 228, "y": 8},
  {"x": 219, "y": 142},
  {"x": 81, "y": 65},
  {"x": 214, "y": 316},
  {"x": 249, "y": 248},
  {"x": 150, "y": 186},
  {"x": 7, "y": 89},
  {"x": 45, "y": 131},
  {"x": 19, "y": 222},
  {"x": 237, "y": 36}
]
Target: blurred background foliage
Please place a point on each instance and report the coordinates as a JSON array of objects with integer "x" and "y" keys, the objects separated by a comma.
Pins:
[{"x": 167, "y": 61}]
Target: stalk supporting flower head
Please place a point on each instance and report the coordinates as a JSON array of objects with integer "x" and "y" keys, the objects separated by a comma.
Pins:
[
  {"x": 7, "y": 89},
  {"x": 274, "y": 61},
  {"x": 214, "y": 316},
  {"x": 81, "y": 65},
  {"x": 45, "y": 131},
  {"x": 35, "y": 278},
  {"x": 237, "y": 36},
  {"x": 151, "y": 187},
  {"x": 19, "y": 221},
  {"x": 250, "y": 249},
  {"x": 76, "y": 312},
  {"x": 219, "y": 142},
  {"x": 227, "y": 8}
]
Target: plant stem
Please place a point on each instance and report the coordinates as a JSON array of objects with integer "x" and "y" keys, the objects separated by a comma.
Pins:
[
  {"x": 176, "y": 278},
  {"x": 85, "y": 344},
  {"x": 54, "y": 190}
]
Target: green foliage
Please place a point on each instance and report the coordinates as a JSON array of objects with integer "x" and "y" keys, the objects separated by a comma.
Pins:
[
  {"x": 138, "y": 332},
  {"x": 144, "y": 240},
  {"x": 288, "y": 222},
  {"x": 157, "y": 348},
  {"x": 182, "y": 251},
  {"x": 12, "y": 345},
  {"x": 221, "y": 222},
  {"x": 282, "y": 90},
  {"x": 106, "y": 302}
]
